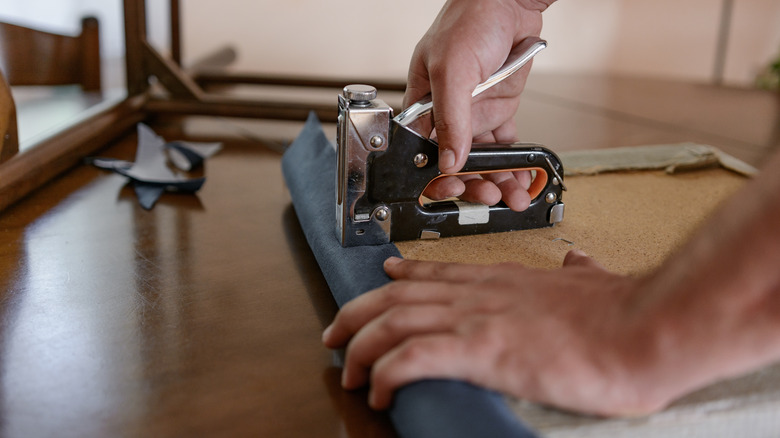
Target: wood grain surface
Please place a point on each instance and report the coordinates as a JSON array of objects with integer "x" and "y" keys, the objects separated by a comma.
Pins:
[{"x": 201, "y": 317}]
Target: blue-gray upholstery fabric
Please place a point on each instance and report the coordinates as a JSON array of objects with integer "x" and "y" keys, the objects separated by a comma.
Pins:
[{"x": 429, "y": 408}]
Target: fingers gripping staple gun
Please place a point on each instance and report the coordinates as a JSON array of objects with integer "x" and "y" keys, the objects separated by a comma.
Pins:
[{"x": 386, "y": 162}]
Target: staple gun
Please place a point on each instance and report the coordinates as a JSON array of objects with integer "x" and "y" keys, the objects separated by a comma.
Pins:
[{"x": 385, "y": 163}]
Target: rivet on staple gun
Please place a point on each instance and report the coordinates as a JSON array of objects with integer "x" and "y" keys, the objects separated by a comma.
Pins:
[{"x": 385, "y": 163}]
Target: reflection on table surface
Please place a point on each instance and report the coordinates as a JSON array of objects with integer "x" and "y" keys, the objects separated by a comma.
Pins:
[{"x": 42, "y": 111}]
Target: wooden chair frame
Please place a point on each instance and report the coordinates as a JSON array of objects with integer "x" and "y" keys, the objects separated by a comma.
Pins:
[
  {"x": 21, "y": 173},
  {"x": 186, "y": 90},
  {"x": 9, "y": 136}
]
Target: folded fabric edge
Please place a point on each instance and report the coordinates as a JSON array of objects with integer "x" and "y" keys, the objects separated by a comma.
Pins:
[{"x": 422, "y": 409}]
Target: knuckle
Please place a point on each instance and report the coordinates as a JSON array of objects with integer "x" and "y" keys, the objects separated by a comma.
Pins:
[
  {"x": 397, "y": 292},
  {"x": 439, "y": 269},
  {"x": 397, "y": 319},
  {"x": 443, "y": 124},
  {"x": 414, "y": 351},
  {"x": 487, "y": 337}
]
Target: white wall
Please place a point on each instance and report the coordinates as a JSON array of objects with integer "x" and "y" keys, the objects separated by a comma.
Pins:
[
  {"x": 375, "y": 39},
  {"x": 333, "y": 37},
  {"x": 632, "y": 37},
  {"x": 755, "y": 38},
  {"x": 667, "y": 38}
]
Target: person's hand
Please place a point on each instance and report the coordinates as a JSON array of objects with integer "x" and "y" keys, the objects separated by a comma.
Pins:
[
  {"x": 467, "y": 43},
  {"x": 569, "y": 338}
]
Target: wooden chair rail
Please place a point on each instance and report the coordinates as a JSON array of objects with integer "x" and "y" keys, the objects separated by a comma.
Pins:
[
  {"x": 208, "y": 77},
  {"x": 211, "y": 105},
  {"x": 34, "y": 57},
  {"x": 9, "y": 135}
]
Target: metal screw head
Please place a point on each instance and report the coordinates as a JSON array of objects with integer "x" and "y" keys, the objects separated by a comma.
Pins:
[
  {"x": 550, "y": 197},
  {"x": 531, "y": 158},
  {"x": 360, "y": 93},
  {"x": 382, "y": 213},
  {"x": 377, "y": 141},
  {"x": 420, "y": 160}
]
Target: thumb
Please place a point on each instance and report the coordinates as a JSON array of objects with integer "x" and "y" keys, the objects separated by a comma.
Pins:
[{"x": 452, "y": 120}]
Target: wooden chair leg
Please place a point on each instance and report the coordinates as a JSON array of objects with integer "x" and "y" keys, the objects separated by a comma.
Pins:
[
  {"x": 9, "y": 137},
  {"x": 175, "y": 12},
  {"x": 774, "y": 137},
  {"x": 90, "y": 54}
]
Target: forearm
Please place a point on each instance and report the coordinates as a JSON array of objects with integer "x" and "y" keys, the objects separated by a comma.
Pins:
[{"x": 713, "y": 310}]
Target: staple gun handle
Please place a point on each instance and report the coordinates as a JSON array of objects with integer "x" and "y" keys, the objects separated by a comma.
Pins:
[
  {"x": 418, "y": 116},
  {"x": 485, "y": 158},
  {"x": 397, "y": 177},
  {"x": 404, "y": 170}
]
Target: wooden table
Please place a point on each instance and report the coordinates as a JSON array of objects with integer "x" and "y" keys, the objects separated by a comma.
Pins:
[{"x": 202, "y": 317}]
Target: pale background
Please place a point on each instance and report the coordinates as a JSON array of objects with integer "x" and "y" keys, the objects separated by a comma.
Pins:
[{"x": 659, "y": 38}]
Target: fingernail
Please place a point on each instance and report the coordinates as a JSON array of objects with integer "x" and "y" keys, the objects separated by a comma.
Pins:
[
  {"x": 446, "y": 159},
  {"x": 392, "y": 261},
  {"x": 456, "y": 193},
  {"x": 372, "y": 399},
  {"x": 326, "y": 332}
]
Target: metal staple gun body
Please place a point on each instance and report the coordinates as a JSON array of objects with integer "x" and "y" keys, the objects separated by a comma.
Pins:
[{"x": 385, "y": 163}]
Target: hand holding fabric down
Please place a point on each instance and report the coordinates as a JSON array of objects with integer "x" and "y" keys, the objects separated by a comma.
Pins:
[
  {"x": 467, "y": 43},
  {"x": 526, "y": 332}
]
